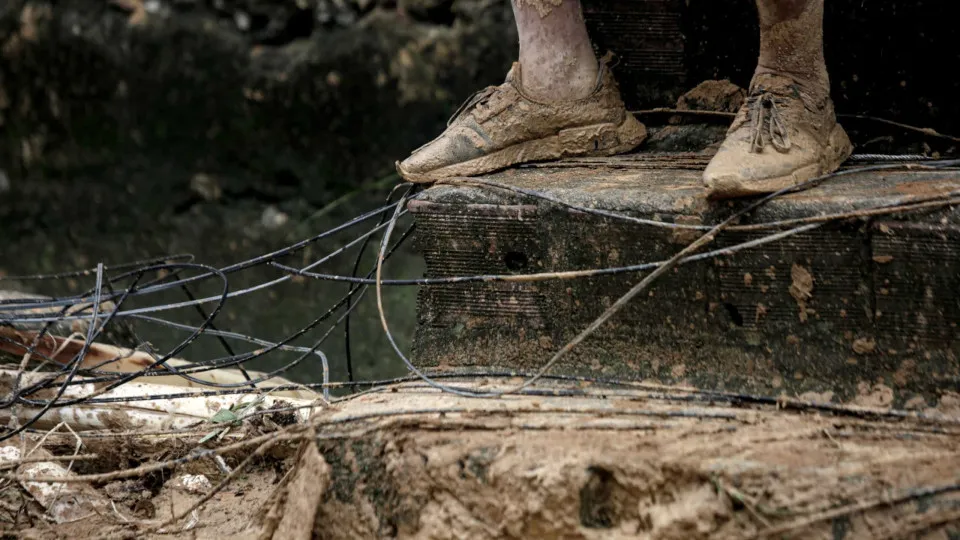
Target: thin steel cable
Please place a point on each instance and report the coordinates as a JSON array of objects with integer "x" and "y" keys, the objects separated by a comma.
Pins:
[{"x": 359, "y": 287}]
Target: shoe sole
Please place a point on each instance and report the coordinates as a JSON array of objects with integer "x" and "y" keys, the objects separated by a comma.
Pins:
[
  {"x": 838, "y": 150},
  {"x": 594, "y": 140}
]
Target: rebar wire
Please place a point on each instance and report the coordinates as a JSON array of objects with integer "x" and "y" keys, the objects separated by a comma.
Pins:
[
  {"x": 353, "y": 273},
  {"x": 256, "y": 261},
  {"x": 726, "y": 116},
  {"x": 210, "y": 365},
  {"x": 270, "y": 258},
  {"x": 177, "y": 284},
  {"x": 92, "y": 331},
  {"x": 574, "y": 274},
  {"x": 122, "y": 283}
]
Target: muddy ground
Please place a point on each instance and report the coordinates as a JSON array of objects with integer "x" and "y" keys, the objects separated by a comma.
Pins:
[{"x": 564, "y": 461}]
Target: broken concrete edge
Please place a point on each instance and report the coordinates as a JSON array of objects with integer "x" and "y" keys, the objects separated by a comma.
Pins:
[{"x": 830, "y": 312}]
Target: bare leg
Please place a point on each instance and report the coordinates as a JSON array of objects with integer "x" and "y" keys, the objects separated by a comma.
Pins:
[
  {"x": 791, "y": 41},
  {"x": 555, "y": 52},
  {"x": 787, "y": 132}
]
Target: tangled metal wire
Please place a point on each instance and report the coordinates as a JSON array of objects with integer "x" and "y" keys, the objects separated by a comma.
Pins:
[{"x": 108, "y": 303}]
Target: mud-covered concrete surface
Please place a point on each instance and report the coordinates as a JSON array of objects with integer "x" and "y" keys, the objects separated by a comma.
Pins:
[
  {"x": 133, "y": 129},
  {"x": 847, "y": 311}
]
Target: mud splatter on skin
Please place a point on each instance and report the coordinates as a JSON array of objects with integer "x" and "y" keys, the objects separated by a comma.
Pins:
[
  {"x": 543, "y": 7},
  {"x": 555, "y": 50}
]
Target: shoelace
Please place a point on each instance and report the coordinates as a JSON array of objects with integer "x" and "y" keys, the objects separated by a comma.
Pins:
[
  {"x": 464, "y": 108},
  {"x": 768, "y": 124},
  {"x": 471, "y": 102},
  {"x": 481, "y": 95}
]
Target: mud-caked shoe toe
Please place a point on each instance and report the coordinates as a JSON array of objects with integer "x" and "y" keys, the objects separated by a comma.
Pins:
[
  {"x": 458, "y": 144},
  {"x": 783, "y": 136}
]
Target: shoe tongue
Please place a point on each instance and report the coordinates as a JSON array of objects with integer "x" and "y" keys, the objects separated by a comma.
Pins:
[
  {"x": 782, "y": 85},
  {"x": 774, "y": 84},
  {"x": 513, "y": 76}
]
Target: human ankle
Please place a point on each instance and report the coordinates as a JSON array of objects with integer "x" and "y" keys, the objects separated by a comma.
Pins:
[
  {"x": 791, "y": 42},
  {"x": 564, "y": 80}
]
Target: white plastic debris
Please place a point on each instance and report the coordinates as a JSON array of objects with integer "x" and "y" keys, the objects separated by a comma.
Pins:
[{"x": 197, "y": 484}]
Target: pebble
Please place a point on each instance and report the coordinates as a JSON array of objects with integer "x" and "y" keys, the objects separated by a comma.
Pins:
[
  {"x": 273, "y": 218},
  {"x": 193, "y": 483},
  {"x": 206, "y": 186}
]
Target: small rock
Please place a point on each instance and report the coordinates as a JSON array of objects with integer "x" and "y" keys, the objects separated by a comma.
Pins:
[
  {"x": 916, "y": 403},
  {"x": 206, "y": 186},
  {"x": 273, "y": 218},
  {"x": 817, "y": 397},
  {"x": 714, "y": 96},
  {"x": 242, "y": 20},
  {"x": 720, "y": 96},
  {"x": 877, "y": 395},
  {"x": 4, "y": 182},
  {"x": 949, "y": 404},
  {"x": 128, "y": 491},
  {"x": 193, "y": 483}
]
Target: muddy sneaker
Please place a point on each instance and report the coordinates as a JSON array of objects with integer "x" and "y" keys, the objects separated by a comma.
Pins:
[
  {"x": 782, "y": 136},
  {"x": 500, "y": 126}
]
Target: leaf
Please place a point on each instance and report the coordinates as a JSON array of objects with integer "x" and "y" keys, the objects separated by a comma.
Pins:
[
  {"x": 224, "y": 416},
  {"x": 209, "y": 436}
]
